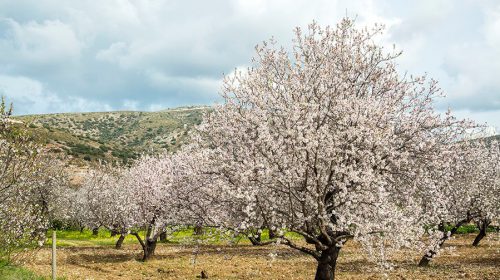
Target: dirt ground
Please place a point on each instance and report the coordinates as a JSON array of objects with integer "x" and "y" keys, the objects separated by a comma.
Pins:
[{"x": 249, "y": 262}]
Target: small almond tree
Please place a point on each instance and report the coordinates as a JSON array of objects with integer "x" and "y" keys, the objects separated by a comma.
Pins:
[
  {"x": 149, "y": 182},
  {"x": 328, "y": 140},
  {"x": 142, "y": 197},
  {"x": 103, "y": 201},
  {"x": 468, "y": 191},
  {"x": 48, "y": 192},
  {"x": 486, "y": 199}
]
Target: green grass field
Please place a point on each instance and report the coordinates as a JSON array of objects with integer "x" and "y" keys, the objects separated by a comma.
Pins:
[{"x": 75, "y": 238}]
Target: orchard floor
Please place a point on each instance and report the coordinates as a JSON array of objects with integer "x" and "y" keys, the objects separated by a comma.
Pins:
[{"x": 250, "y": 262}]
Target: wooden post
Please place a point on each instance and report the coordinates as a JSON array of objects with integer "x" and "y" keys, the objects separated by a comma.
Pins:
[{"x": 54, "y": 255}]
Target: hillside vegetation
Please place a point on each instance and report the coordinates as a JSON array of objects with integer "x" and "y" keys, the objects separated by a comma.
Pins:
[{"x": 114, "y": 136}]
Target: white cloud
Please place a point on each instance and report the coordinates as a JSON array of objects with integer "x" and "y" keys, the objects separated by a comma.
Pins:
[
  {"x": 491, "y": 29},
  {"x": 144, "y": 54},
  {"x": 488, "y": 118},
  {"x": 130, "y": 105},
  {"x": 29, "y": 96},
  {"x": 114, "y": 53},
  {"x": 48, "y": 42}
]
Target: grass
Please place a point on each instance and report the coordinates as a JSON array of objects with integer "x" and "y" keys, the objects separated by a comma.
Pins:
[
  {"x": 470, "y": 228},
  {"x": 72, "y": 238},
  {"x": 11, "y": 272},
  {"x": 69, "y": 238}
]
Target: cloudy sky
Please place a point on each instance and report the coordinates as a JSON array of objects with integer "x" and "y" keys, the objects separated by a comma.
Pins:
[{"x": 71, "y": 56}]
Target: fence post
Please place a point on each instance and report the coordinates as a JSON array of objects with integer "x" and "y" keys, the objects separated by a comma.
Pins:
[{"x": 54, "y": 255}]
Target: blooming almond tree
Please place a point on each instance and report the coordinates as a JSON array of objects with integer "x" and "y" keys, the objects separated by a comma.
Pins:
[
  {"x": 31, "y": 186},
  {"x": 103, "y": 200},
  {"x": 18, "y": 151},
  {"x": 129, "y": 200},
  {"x": 486, "y": 199},
  {"x": 323, "y": 140},
  {"x": 49, "y": 191},
  {"x": 150, "y": 181},
  {"x": 468, "y": 188},
  {"x": 201, "y": 194}
]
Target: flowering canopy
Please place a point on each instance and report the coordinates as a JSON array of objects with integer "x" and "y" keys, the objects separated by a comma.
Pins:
[{"x": 330, "y": 141}]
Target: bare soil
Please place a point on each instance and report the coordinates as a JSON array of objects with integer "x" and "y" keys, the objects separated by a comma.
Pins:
[{"x": 250, "y": 262}]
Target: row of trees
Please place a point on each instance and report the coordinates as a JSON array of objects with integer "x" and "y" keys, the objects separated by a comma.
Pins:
[
  {"x": 160, "y": 194},
  {"x": 147, "y": 196},
  {"x": 327, "y": 141}
]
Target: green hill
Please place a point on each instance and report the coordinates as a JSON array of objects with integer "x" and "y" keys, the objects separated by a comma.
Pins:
[{"x": 114, "y": 136}]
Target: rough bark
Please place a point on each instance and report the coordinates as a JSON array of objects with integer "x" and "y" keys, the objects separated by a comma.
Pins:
[
  {"x": 149, "y": 248},
  {"x": 483, "y": 226},
  {"x": 327, "y": 263},
  {"x": 119, "y": 243},
  {"x": 148, "y": 245}
]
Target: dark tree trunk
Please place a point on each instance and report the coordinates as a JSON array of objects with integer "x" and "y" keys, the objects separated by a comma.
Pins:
[
  {"x": 114, "y": 233},
  {"x": 119, "y": 243},
  {"x": 149, "y": 248},
  {"x": 198, "y": 229},
  {"x": 255, "y": 239},
  {"x": 95, "y": 231},
  {"x": 483, "y": 225},
  {"x": 327, "y": 263},
  {"x": 272, "y": 234},
  {"x": 148, "y": 245},
  {"x": 163, "y": 237},
  {"x": 424, "y": 261}
]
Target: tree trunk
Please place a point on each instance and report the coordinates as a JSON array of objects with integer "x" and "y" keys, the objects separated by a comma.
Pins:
[
  {"x": 483, "y": 225},
  {"x": 272, "y": 234},
  {"x": 95, "y": 231},
  {"x": 149, "y": 248},
  {"x": 198, "y": 229},
  {"x": 424, "y": 261},
  {"x": 119, "y": 243},
  {"x": 114, "y": 233},
  {"x": 163, "y": 237},
  {"x": 327, "y": 263},
  {"x": 255, "y": 239}
]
